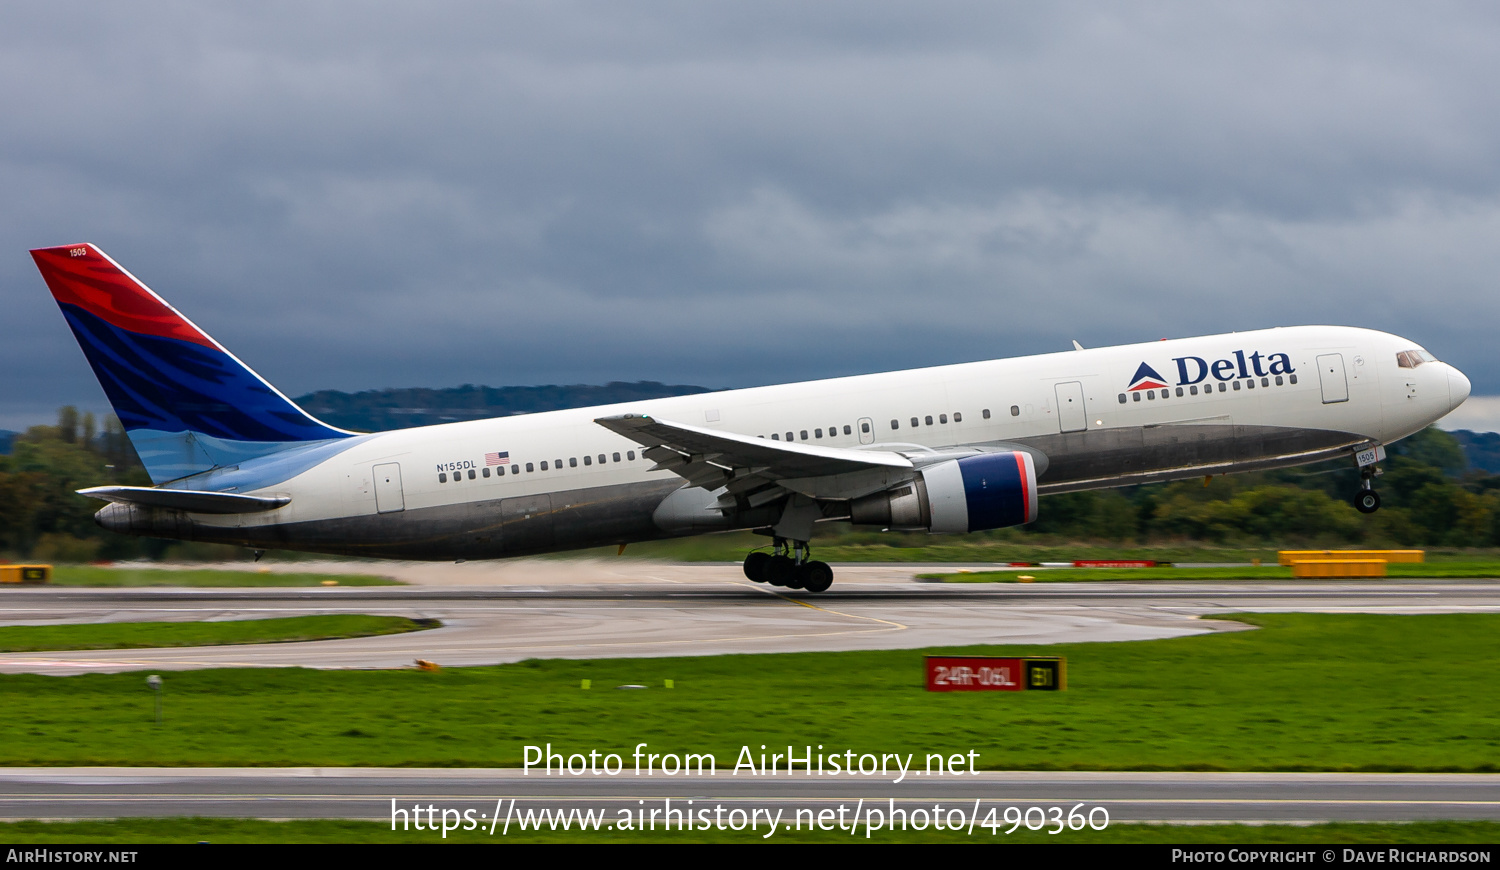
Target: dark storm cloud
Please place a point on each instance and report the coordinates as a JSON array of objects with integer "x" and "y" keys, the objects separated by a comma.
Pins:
[{"x": 355, "y": 196}]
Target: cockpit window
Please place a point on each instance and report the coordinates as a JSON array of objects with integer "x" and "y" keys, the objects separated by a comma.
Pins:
[{"x": 1410, "y": 359}]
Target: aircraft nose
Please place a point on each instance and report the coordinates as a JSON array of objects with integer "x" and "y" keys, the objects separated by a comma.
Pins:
[{"x": 1458, "y": 388}]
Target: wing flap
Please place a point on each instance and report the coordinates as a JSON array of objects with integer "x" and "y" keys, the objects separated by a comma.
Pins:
[{"x": 713, "y": 459}]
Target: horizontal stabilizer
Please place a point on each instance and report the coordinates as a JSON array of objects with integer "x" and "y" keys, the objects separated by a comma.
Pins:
[{"x": 188, "y": 500}]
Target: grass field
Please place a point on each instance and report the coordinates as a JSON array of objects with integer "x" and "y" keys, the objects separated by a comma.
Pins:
[
  {"x": 195, "y": 830},
  {"x": 1394, "y": 571},
  {"x": 1342, "y": 692},
  {"x": 89, "y": 575},
  {"x": 146, "y": 635}
]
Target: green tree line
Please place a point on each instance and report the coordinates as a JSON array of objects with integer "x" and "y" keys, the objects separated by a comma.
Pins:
[{"x": 1431, "y": 498}]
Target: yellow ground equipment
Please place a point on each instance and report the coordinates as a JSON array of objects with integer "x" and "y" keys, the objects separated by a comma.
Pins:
[
  {"x": 1289, "y": 557},
  {"x": 25, "y": 573}
]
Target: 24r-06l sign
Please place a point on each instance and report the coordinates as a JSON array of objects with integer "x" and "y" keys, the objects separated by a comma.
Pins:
[{"x": 996, "y": 674}]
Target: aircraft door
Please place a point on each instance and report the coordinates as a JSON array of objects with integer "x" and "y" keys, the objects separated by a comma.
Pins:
[
  {"x": 1331, "y": 376},
  {"x": 1072, "y": 414},
  {"x": 388, "y": 495},
  {"x": 866, "y": 430},
  {"x": 526, "y": 522}
]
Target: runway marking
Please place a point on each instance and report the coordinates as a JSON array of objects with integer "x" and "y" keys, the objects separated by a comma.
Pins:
[{"x": 896, "y": 625}]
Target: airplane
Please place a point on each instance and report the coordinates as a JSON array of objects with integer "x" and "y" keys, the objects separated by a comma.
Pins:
[{"x": 949, "y": 449}]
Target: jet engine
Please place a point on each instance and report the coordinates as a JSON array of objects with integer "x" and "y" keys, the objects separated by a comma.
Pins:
[{"x": 971, "y": 494}]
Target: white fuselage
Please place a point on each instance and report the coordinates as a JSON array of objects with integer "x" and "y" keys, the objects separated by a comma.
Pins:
[{"x": 1252, "y": 399}]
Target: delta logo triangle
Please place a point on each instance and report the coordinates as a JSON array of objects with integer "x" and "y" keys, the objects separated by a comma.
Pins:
[{"x": 1146, "y": 378}]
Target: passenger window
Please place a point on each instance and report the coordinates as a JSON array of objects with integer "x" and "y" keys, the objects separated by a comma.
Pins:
[
  {"x": 1193, "y": 390},
  {"x": 775, "y": 437},
  {"x": 1250, "y": 384},
  {"x": 1015, "y": 410},
  {"x": 850, "y": 431},
  {"x": 630, "y": 455},
  {"x": 1165, "y": 394},
  {"x": 601, "y": 459},
  {"x": 1179, "y": 392},
  {"x": 442, "y": 477},
  {"x": 572, "y": 462},
  {"x": 928, "y": 419},
  {"x": 895, "y": 424},
  {"x": 914, "y": 423},
  {"x": 986, "y": 413},
  {"x": 587, "y": 460},
  {"x": 471, "y": 474},
  {"x": 865, "y": 428},
  {"x": 1151, "y": 395},
  {"x": 1236, "y": 385},
  {"x": 1278, "y": 380},
  {"x": 1265, "y": 382},
  {"x": 485, "y": 472},
  {"x": 789, "y": 437},
  {"x": 942, "y": 418},
  {"x": 617, "y": 457},
  {"x": 804, "y": 434},
  {"x": 1223, "y": 387},
  {"x": 958, "y": 417},
  {"x": 544, "y": 465},
  {"x": 528, "y": 466},
  {"x": 516, "y": 469},
  {"x": 1135, "y": 397},
  {"x": 1122, "y": 398},
  {"x": 818, "y": 433},
  {"x": 1292, "y": 378}
]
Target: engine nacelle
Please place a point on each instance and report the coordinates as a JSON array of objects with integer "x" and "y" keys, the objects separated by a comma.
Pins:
[{"x": 972, "y": 494}]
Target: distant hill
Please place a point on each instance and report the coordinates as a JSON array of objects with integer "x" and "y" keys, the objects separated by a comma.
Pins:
[
  {"x": 1481, "y": 448},
  {"x": 382, "y": 410}
]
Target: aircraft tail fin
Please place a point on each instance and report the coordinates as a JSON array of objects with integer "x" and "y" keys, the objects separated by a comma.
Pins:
[{"x": 187, "y": 403}]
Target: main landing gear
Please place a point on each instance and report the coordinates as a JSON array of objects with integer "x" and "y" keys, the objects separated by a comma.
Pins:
[{"x": 789, "y": 566}]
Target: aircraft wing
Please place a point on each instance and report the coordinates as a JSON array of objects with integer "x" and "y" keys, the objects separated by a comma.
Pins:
[
  {"x": 759, "y": 469},
  {"x": 193, "y": 501}
]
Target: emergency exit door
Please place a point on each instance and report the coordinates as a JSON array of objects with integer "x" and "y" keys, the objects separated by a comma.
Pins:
[
  {"x": 388, "y": 495},
  {"x": 1072, "y": 415}
]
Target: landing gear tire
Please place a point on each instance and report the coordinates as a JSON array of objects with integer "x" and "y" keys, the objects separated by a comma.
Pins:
[
  {"x": 780, "y": 571},
  {"x": 815, "y": 576},
  {"x": 1367, "y": 501},
  {"x": 755, "y": 566}
]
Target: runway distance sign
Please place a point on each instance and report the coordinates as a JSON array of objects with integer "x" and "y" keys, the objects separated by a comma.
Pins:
[{"x": 996, "y": 674}]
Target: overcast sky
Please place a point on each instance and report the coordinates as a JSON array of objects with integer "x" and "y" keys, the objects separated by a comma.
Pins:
[{"x": 354, "y": 196}]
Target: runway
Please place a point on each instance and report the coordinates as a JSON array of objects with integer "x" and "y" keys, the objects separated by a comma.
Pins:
[
  {"x": 368, "y": 793},
  {"x": 649, "y": 610}
]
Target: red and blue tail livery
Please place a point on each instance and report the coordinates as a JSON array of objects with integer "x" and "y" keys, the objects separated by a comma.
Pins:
[{"x": 186, "y": 402}]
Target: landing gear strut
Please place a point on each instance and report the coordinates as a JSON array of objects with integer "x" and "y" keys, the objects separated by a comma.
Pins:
[
  {"x": 789, "y": 565},
  {"x": 1367, "y": 500}
]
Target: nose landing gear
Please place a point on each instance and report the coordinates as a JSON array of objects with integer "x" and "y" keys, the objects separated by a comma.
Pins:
[
  {"x": 789, "y": 565},
  {"x": 1367, "y": 500}
]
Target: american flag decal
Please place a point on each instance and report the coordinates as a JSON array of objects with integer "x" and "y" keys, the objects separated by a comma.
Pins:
[{"x": 497, "y": 458}]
